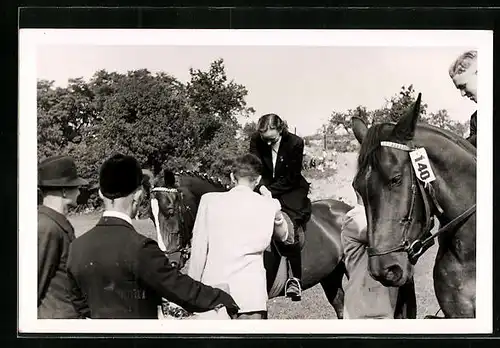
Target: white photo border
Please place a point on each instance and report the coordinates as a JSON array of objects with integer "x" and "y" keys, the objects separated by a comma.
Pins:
[{"x": 31, "y": 39}]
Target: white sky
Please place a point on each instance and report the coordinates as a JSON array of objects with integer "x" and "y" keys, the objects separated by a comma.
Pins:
[{"x": 301, "y": 84}]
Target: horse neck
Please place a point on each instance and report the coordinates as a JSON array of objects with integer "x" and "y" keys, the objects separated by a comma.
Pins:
[
  {"x": 198, "y": 186},
  {"x": 454, "y": 166}
]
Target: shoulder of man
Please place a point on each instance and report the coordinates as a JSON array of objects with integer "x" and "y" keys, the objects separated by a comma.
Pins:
[{"x": 50, "y": 221}]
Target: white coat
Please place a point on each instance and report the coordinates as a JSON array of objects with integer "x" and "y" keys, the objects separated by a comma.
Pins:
[{"x": 231, "y": 232}]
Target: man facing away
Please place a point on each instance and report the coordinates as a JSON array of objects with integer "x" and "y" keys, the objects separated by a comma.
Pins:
[
  {"x": 231, "y": 232},
  {"x": 59, "y": 189},
  {"x": 116, "y": 273},
  {"x": 463, "y": 72}
]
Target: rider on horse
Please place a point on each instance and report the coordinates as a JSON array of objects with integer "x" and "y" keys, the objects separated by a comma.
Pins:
[
  {"x": 463, "y": 72},
  {"x": 281, "y": 154}
]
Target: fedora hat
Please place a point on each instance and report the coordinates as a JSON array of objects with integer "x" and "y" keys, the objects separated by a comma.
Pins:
[{"x": 59, "y": 171}]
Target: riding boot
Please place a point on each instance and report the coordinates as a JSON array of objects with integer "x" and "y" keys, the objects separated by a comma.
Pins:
[{"x": 294, "y": 284}]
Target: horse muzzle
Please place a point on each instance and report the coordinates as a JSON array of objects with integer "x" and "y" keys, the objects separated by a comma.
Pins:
[{"x": 388, "y": 274}]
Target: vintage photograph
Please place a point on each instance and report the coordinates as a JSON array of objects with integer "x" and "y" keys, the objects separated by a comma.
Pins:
[{"x": 194, "y": 176}]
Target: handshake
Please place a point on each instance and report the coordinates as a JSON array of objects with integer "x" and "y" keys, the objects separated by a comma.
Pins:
[{"x": 264, "y": 191}]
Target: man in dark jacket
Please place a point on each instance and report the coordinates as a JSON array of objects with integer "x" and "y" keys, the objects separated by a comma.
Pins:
[
  {"x": 58, "y": 184},
  {"x": 463, "y": 72},
  {"x": 282, "y": 154},
  {"x": 116, "y": 273}
]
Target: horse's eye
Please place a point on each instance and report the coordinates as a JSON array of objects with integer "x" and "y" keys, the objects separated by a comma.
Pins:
[{"x": 395, "y": 181}]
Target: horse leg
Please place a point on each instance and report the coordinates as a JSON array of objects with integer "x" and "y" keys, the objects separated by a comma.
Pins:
[
  {"x": 455, "y": 285},
  {"x": 332, "y": 286}
]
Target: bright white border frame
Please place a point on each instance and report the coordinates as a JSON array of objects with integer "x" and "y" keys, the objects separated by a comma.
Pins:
[{"x": 30, "y": 39}]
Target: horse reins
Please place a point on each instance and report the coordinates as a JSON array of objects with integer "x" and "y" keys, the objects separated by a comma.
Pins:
[{"x": 417, "y": 248}]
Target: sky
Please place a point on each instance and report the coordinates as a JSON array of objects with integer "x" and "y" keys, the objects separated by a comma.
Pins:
[{"x": 301, "y": 84}]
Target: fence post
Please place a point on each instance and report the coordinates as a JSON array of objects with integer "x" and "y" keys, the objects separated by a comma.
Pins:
[{"x": 324, "y": 137}]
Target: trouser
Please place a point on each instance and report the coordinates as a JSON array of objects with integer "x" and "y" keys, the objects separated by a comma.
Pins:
[{"x": 292, "y": 252}]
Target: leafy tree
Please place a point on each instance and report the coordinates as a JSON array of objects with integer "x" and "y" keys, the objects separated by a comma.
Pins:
[
  {"x": 248, "y": 130},
  {"x": 391, "y": 111},
  {"x": 399, "y": 103},
  {"x": 441, "y": 119},
  {"x": 154, "y": 117}
]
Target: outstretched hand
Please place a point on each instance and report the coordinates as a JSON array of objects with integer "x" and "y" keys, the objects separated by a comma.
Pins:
[{"x": 264, "y": 191}]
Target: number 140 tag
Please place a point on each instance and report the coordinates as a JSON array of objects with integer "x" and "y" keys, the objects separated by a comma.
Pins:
[{"x": 422, "y": 166}]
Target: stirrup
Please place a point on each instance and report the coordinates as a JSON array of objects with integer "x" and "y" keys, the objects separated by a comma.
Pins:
[{"x": 292, "y": 294}]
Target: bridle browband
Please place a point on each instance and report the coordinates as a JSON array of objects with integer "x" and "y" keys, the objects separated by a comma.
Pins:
[{"x": 417, "y": 248}]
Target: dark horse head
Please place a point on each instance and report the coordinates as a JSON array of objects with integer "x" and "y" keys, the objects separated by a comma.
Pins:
[
  {"x": 178, "y": 196},
  {"x": 399, "y": 203}
]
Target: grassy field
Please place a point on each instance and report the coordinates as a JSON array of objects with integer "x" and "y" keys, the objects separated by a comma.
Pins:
[{"x": 314, "y": 304}]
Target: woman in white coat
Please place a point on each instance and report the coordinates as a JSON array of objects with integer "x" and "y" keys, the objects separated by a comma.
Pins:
[{"x": 231, "y": 232}]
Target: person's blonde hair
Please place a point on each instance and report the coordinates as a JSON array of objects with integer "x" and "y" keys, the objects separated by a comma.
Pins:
[{"x": 462, "y": 63}]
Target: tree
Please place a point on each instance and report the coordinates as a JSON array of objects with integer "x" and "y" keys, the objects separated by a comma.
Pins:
[
  {"x": 248, "y": 130},
  {"x": 441, "y": 119},
  {"x": 401, "y": 102},
  {"x": 63, "y": 115},
  {"x": 391, "y": 111}
]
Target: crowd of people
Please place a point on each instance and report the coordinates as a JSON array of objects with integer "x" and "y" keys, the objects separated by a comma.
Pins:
[{"x": 112, "y": 271}]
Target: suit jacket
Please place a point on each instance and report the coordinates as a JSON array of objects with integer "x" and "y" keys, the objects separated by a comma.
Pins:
[
  {"x": 364, "y": 296},
  {"x": 473, "y": 131},
  {"x": 231, "y": 232},
  {"x": 116, "y": 273},
  {"x": 288, "y": 185},
  {"x": 55, "y": 234}
]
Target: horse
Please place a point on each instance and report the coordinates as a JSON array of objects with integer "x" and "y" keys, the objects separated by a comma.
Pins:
[
  {"x": 409, "y": 173},
  {"x": 322, "y": 252}
]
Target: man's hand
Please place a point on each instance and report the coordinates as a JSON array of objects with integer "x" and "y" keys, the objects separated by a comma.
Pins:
[
  {"x": 231, "y": 306},
  {"x": 264, "y": 191}
]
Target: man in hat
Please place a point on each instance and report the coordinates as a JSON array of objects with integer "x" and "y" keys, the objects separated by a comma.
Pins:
[
  {"x": 463, "y": 72},
  {"x": 58, "y": 184},
  {"x": 117, "y": 273}
]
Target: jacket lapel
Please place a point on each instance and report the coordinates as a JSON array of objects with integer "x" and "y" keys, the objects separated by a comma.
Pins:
[
  {"x": 281, "y": 151},
  {"x": 266, "y": 155}
]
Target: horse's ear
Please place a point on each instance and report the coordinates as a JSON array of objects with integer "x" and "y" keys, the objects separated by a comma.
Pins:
[
  {"x": 147, "y": 177},
  {"x": 359, "y": 128},
  {"x": 405, "y": 128},
  {"x": 169, "y": 178}
]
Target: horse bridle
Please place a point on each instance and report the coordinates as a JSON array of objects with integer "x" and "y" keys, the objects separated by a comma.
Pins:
[
  {"x": 180, "y": 209},
  {"x": 417, "y": 248}
]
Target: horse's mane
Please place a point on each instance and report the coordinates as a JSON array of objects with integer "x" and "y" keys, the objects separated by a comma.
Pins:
[{"x": 215, "y": 181}]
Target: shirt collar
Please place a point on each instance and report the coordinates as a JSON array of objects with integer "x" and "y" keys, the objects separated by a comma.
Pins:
[
  {"x": 276, "y": 145},
  {"x": 117, "y": 214},
  {"x": 241, "y": 188}
]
